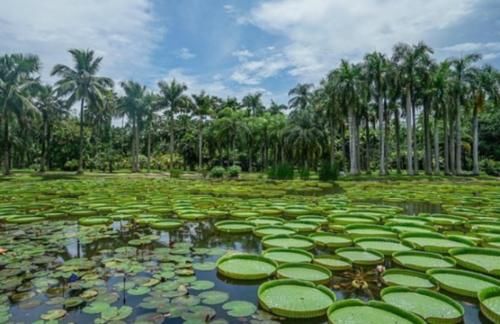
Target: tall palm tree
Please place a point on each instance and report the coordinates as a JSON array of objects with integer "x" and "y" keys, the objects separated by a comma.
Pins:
[
  {"x": 461, "y": 67},
  {"x": 410, "y": 58},
  {"x": 347, "y": 79},
  {"x": 81, "y": 83},
  {"x": 133, "y": 104},
  {"x": 151, "y": 108},
  {"x": 253, "y": 102},
  {"x": 300, "y": 96},
  {"x": 376, "y": 66},
  {"x": 17, "y": 81},
  {"x": 49, "y": 106},
  {"x": 173, "y": 100},
  {"x": 203, "y": 104}
]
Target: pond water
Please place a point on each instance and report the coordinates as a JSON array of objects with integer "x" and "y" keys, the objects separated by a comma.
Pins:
[{"x": 115, "y": 260}]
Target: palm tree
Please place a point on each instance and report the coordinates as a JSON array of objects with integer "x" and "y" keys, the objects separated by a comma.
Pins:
[
  {"x": 17, "y": 81},
  {"x": 173, "y": 100},
  {"x": 376, "y": 65},
  {"x": 300, "y": 96},
  {"x": 461, "y": 67},
  {"x": 49, "y": 105},
  {"x": 203, "y": 104},
  {"x": 347, "y": 79},
  {"x": 410, "y": 59},
  {"x": 133, "y": 104},
  {"x": 253, "y": 102},
  {"x": 150, "y": 109},
  {"x": 81, "y": 83},
  {"x": 276, "y": 108}
]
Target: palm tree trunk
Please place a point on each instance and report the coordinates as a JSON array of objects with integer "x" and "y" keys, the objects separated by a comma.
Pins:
[
  {"x": 452, "y": 147},
  {"x": 200, "y": 149},
  {"x": 6, "y": 155},
  {"x": 414, "y": 134},
  {"x": 149, "y": 149},
  {"x": 436, "y": 147},
  {"x": 333, "y": 149},
  {"x": 80, "y": 148},
  {"x": 43, "y": 160},
  {"x": 250, "y": 161},
  {"x": 367, "y": 143},
  {"x": 387, "y": 134},
  {"x": 381, "y": 134},
  {"x": 458, "y": 148},
  {"x": 171, "y": 145},
  {"x": 427, "y": 140},
  {"x": 352, "y": 142},
  {"x": 446, "y": 141},
  {"x": 398, "y": 138},
  {"x": 475, "y": 142},
  {"x": 110, "y": 145},
  {"x": 409, "y": 137}
]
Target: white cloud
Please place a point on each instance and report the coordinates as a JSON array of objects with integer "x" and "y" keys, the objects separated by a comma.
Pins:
[
  {"x": 229, "y": 8},
  {"x": 242, "y": 54},
  {"x": 122, "y": 31},
  {"x": 185, "y": 54},
  {"x": 252, "y": 72},
  {"x": 321, "y": 32},
  {"x": 489, "y": 51}
]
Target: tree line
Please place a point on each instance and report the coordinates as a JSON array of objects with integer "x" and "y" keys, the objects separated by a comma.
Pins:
[{"x": 403, "y": 111}]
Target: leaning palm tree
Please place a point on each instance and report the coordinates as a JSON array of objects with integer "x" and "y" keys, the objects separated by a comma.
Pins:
[
  {"x": 173, "y": 100},
  {"x": 81, "y": 83},
  {"x": 17, "y": 82},
  {"x": 133, "y": 105},
  {"x": 376, "y": 67},
  {"x": 461, "y": 67}
]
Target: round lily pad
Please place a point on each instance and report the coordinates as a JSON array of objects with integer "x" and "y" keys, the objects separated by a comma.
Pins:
[
  {"x": 434, "y": 242},
  {"x": 138, "y": 291},
  {"x": 373, "y": 312},
  {"x": 231, "y": 226},
  {"x": 302, "y": 226},
  {"x": 422, "y": 261},
  {"x": 478, "y": 259},
  {"x": 167, "y": 224},
  {"x": 360, "y": 256},
  {"x": 489, "y": 299},
  {"x": 281, "y": 255},
  {"x": 53, "y": 314},
  {"x": 246, "y": 267},
  {"x": 430, "y": 305},
  {"x": 304, "y": 271},
  {"x": 213, "y": 297},
  {"x": 73, "y": 302},
  {"x": 386, "y": 246},
  {"x": 330, "y": 240},
  {"x": 407, "y": 278},
  {"x": 361, "y": 230},
  {"x": 239, "y": 308},
  {"x": 333, "y": 262},
  {"x": 205, "y": 266},
  {"x": 462, "y": 282},
  {"x": 295, "y": 298},
  {"x": 96, "y": 307},
  {"x": 265, "y": 230},
  {"x": 265, "y": 220},
  {"x": 92, "y": 221},
  {"x": 288, "y": 241},
  {"x": 201, "y": 285}
]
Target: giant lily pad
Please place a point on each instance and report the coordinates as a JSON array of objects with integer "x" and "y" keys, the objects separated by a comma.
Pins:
[
  {"x": 434, "y": 242},
  {"x": 295, "y": 298},
  {"x": 360, "y": 230},
  {"x": 386, "y": 246},
  {"x": 281, "y": 255},
  {"x": 304, "y": 271},
  {"x": 246, "y": 266},
  {"x": 213, "y": 297},
  {"x": 265, "y": 230},
  {"x": 230, "y": 226},
  {"x": 330, "y": 240},
  {"x": 489, "y": 299},
  {"x": 462, "y": 282},
  {"x": 288, "y": 241},
  {"x": 407, "y": 278},
  {"x": 430, "y": 305},
  {"x": 332, "y": 262},
  {"x": 239, "y": 308},
  {"x": 422, "y": 261},
  {"x": 478, "y": 259},
  {"x": 360, "y": 256}
]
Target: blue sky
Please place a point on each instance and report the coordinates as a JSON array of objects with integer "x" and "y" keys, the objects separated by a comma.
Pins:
[{"x": 231, "y": 48}]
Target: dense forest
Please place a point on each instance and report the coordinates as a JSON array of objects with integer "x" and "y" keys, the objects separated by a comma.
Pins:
[{"x": 387, "y": 113}]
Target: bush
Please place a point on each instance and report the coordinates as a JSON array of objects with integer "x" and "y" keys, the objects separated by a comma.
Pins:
[
  {"x": 491, "y": 167},
  {"x": 217, "y": 172},
  {"x": 234, "y": 171},
  {"x": 71, "y": 165},
  {"x": 304, "y": 174},
  {"x": 175, "y": 173},
  {"x": 328, "y": 172},
  {"x": 281, "y": 172}
]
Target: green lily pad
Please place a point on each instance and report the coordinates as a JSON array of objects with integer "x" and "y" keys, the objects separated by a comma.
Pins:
[
  {"x": 53, "y": 314},
  {"x": 230, "y": 226},
  {"x": 288, "y": 241},
  {"x": 73, "y": 302},
  {"x": 489, "y": 299},
  {"x": 478, "y": 259},
  {"x": 201, "y": 285},
  {"x": 462, "y": 282},
  {"x": 288, "y": 255},
  {"x": 246, "y": 266},
  {"x": 330, "y": 240},
  {"x": 265, "y": 230},
  {"x": 386, "y": 246},
  {"x": 205, "y": 266},
  {"x": 407, "y": 278},
  {"x": 434, "y": 242},
  {"x": 239, "y": 308},
  {"x": 356, "y": 255},
  {"x": 304, "y": 271},
  {"x": 422, "y": 261},
  {"x": 213, "y": 297},
  {"x": 333, "y": 262},
  {"x": 96, "y": 307},
  {"x": 138, "y": 291}
]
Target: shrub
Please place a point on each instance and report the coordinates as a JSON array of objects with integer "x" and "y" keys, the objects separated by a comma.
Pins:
[
  {"x": 304, "y": 174},
  {"x": 281, "y": 172},
  {"x": 217, "y": 172},
  {"x": 491, "y": 167},
  {"x": 71, "y": 165},
  {"x": 175, "y": 173},
  {"x": 234, "y": 171},
  {"x": 328, "y": 172}
]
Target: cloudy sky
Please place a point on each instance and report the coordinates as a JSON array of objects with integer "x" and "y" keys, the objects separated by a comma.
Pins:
[{"x": 230, "y": 48}]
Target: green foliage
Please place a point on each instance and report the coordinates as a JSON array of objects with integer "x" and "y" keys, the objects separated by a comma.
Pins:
[
  {"x": 71, "y": 165},
  {"x": 217, "y": 172},
  {"x": 491, "y": 167},
  {"x": 175, "y": 173},
  {"x": 304, "y": 173},
  {"x": 234, "y": 171},
  {"x": 328, "y": 172},
  {"x": 281, "y": 171}
]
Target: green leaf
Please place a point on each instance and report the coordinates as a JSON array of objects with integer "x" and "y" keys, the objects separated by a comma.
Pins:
[{"x": 239, "y": 308}]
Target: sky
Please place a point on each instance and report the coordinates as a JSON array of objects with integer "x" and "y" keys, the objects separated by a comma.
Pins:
[{"x": 232, "y": 48}]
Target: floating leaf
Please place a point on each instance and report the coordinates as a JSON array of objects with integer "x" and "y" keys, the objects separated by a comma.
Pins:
[
  {"x": 95, "y": 307},
  {"x": 201, "y": 285},
  {"x": 138, "y": 291},
  {"x": 205, "y": 266},
  {"x": 213, "y": 297},
  {"x": 53, "y": 314},
  {"x": 239, "y": 308}
]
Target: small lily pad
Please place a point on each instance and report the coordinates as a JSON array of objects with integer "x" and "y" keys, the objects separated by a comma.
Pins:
[
  {"x": 213, "y": 297},
  {"x": 201, "y": 285},
  {"x": 53, "y": 314},
  {"x": 205, "y": 266},
  {"x": 239, "y": 308}
]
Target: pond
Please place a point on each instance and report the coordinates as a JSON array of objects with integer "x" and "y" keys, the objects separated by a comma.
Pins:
[{"x": 86, "y": 250}]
